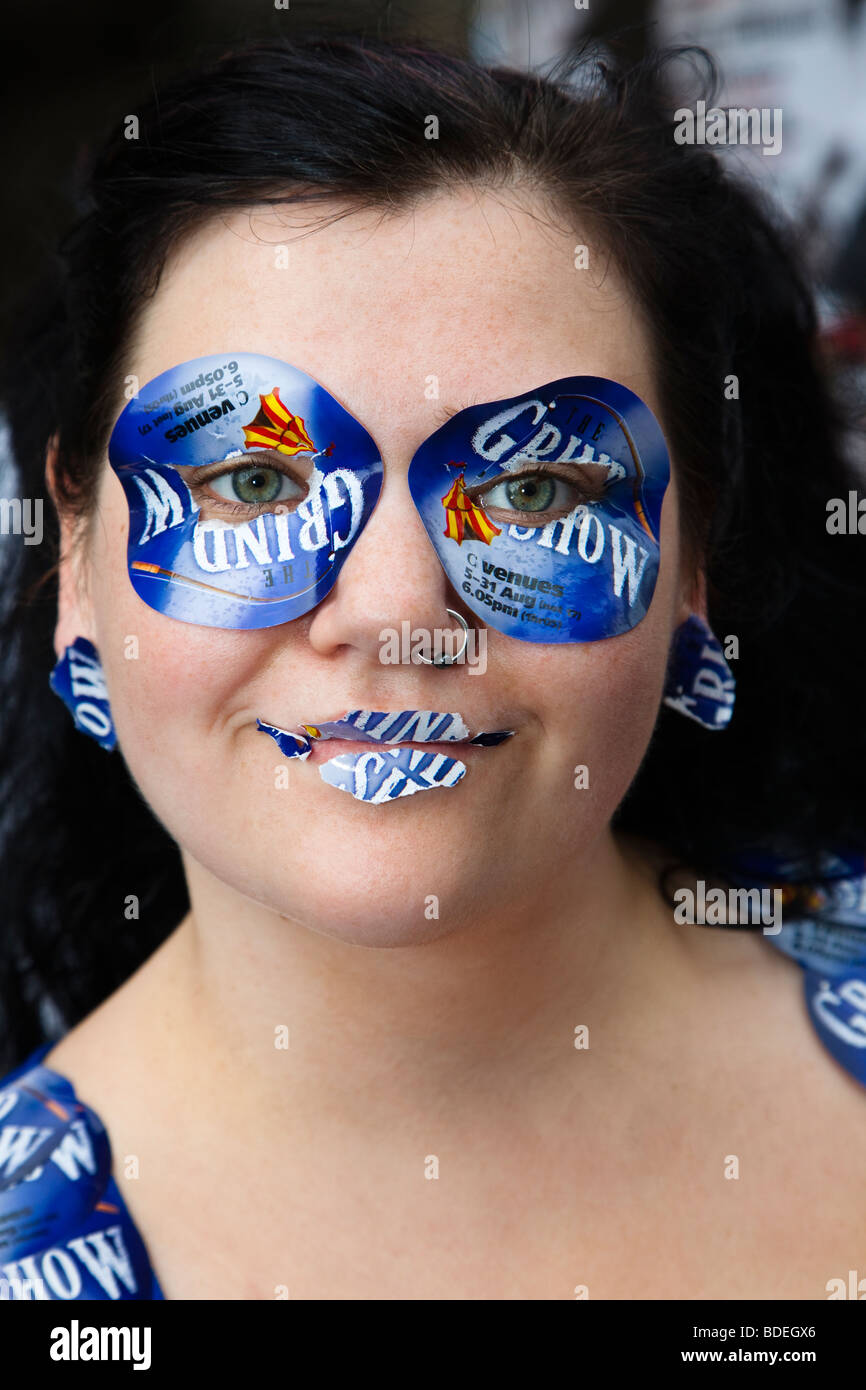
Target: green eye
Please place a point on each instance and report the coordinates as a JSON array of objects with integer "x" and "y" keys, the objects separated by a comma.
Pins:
[
  {"x": 256, "y": 484},
  {"x": 526, "y": 492},
  {"x": 532, "y": 494},
  {"x": 541, "y": 493}
]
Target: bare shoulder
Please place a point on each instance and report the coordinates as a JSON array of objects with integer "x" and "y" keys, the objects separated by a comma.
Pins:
[
  {"x": 752, "y": 1011},
  {"x": 770, "y": 1035},
  {"x": 792, "y": 1116},
  {"x": 115, "y": 1057}
]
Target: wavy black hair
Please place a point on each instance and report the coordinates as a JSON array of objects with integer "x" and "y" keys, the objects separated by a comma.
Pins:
[{"x": 719, "y": 280}]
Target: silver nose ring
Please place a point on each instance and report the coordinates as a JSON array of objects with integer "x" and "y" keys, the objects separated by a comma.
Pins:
[{"x": 449, "y": 660}]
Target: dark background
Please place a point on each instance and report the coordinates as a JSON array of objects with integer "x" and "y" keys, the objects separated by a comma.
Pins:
[{"x": 73, "y": 71}]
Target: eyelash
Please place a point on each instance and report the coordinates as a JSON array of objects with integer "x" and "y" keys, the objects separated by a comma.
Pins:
[
  {"x": 197, "y": 484},
  {"x": 585, "y": 492},
  {"x": 448, "y": 413},
  {"x": 249, "y": 510}
]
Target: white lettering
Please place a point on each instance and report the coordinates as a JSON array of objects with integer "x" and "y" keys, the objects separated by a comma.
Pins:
[
  {"x": 624, "y": 566},
  {"x": 481, "y": 439},
  {"x": 160, "y": 501},
  {"x": 355, "y": 497}
]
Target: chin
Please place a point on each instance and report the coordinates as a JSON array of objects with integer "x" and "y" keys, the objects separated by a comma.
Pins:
[
  {"x": 379, "y": 932},
  {"x": 371, "y": 904}
]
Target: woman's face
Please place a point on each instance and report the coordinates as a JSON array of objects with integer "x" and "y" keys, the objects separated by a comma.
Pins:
[{"x": 484, "y": 297}]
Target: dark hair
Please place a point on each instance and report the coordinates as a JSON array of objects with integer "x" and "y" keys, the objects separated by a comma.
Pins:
[{"x": 324, "y": 117}]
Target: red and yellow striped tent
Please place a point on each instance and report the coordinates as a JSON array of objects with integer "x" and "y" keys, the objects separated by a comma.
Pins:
[
  {"x": 464, "y": 518},
  {"x": 275, "y": 427}
]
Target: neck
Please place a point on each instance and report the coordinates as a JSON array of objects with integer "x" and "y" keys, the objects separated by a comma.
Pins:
[{"x": 288, "y": 1020}]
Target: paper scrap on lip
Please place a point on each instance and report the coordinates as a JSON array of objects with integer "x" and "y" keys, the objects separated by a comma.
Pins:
[
  {"x": 390, "y": 773},
  {"x": 382, "y": 727},
  {"x": 293, "y": 745},
  {"x": 408, "y": 725}
]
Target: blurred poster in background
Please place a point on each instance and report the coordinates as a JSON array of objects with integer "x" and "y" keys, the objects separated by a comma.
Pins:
[
  {"x": 72, "y": 73},
  {"x": 806, "y": 59},
  {"x": 803, "y": 59}
]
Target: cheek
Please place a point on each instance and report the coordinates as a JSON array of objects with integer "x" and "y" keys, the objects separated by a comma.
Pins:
[
  {"x": 170, "y": 683},
  {"x": 599, "y": 703},
  {"x": 600, "y": 700}
]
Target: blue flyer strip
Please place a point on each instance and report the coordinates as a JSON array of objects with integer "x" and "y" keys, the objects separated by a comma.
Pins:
[
  {"x": 389, "y": 773},
  {"x": 247, "y": 485},
  {"x": 837, "y": 1007},
  {"x": 65, "y": 1232},
  {"x": 699, "y": 682},
  {"x": 545, "y": 508},
  {"x": 79, "y": 681}
]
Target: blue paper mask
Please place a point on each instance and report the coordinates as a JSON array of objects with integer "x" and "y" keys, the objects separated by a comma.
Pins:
[
  {"x": 544, "y": 509},
  {"x": 248, "y": 484},
  {"x": 299, "y": 477}
]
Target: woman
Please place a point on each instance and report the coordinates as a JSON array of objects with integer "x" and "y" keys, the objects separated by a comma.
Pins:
[{"x": 430, "y": 1014}]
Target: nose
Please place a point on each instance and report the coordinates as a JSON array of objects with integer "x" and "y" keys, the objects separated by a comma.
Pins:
[{"x": 391, "y": 575}]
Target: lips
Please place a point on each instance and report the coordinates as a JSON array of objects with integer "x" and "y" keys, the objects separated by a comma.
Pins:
[
  {"x": 380, "y": 726},
  {"x": 398, "y": 767}
]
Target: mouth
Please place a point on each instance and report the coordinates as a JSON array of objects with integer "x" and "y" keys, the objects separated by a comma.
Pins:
[
  {"x": 323, "y": 749},
  {"x": 379, "y": 755}
]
